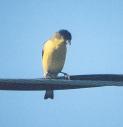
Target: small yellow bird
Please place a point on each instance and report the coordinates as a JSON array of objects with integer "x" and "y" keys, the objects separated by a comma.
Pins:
[{"x": 53, "y": 56}]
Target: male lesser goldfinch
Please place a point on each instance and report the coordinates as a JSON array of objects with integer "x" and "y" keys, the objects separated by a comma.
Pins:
[{"x": 53, "y": 56}]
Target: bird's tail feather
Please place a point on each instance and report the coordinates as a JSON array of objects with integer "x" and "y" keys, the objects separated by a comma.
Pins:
[{"x": 49, "y": 94}]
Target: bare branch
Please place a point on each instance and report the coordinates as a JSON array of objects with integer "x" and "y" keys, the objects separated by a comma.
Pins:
[{"x": 77, "y": 81}]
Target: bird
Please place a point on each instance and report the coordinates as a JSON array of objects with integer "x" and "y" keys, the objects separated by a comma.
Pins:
[{"x": 54, "y": 55}]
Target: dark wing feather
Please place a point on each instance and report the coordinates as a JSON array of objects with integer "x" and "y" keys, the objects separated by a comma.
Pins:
[
  {"x": 43, "y": 49},
  {"x": 42, "y": 52}
]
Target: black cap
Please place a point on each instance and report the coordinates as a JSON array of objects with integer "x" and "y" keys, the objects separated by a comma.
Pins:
[{"x": 66, "y": 34}]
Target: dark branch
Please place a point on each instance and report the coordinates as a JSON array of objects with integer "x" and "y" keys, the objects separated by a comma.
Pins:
[{"x": 77, "y": 81}]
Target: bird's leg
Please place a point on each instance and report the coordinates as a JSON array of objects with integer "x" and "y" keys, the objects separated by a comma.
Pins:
[{"x": 67, "y": 76}]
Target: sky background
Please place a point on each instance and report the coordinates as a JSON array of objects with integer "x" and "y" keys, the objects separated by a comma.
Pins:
[{"x": 97, "y": 48}]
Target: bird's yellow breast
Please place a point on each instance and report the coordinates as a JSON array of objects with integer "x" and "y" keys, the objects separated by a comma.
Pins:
[{"x": 53, "y": 56}]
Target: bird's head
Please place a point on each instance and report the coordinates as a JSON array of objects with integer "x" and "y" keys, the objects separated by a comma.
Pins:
[
  {"x": 63, "y": 36},
  {"x": 66, "y": 35}
]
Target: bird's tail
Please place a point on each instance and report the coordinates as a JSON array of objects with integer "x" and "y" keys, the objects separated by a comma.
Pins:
[{"x": 49, "y": 94}]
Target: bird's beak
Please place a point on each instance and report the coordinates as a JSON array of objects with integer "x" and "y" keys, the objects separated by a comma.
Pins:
[{"x": 69, "y": 42}]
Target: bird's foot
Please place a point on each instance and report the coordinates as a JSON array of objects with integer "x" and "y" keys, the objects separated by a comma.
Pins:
[{"x": 66, "y": 76}]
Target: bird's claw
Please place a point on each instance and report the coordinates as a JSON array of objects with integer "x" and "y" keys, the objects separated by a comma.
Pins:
[{"x": 66, "y": 76}]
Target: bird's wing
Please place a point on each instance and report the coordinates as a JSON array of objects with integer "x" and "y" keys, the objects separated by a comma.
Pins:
[
  {"x": 42, "y": 52},
  {"x": 43, "y": 49}
]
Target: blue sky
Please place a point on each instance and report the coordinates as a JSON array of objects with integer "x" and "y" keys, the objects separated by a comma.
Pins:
[{"x": 97, "y": 47}]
